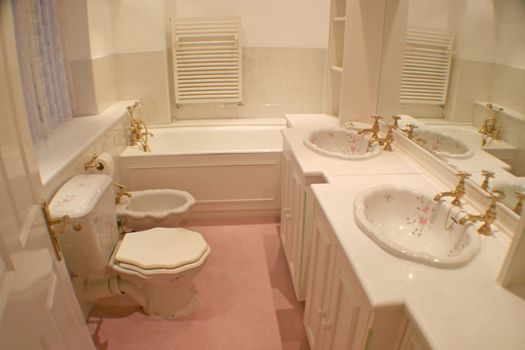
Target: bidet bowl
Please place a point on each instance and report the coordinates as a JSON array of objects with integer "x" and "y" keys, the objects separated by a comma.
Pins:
[
  {"x": 154, "y": 208},
  {"x": 443, "y": 144},
  {"x": 340, "y": 143},
  {"x": 409, "y": 224}
]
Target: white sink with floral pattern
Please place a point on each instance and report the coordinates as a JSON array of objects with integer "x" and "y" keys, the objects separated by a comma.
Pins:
[
  {"x": 341, "y": 143},
  {"x": 442, "y": 143},
  {"x": 409, "y": 224}
]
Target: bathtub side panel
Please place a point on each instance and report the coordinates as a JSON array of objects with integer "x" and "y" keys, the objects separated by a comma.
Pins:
[{"x": 224, "y": 185}]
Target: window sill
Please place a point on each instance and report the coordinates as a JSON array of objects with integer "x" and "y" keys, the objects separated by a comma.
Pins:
[{"x": 60, "y": 149}]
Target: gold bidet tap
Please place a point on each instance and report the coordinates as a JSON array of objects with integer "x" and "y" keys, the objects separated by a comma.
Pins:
[
  {"x": 487, "y": 218},
  {"x": 121, "y": 192},
  {"x": 458, "y": 191}
]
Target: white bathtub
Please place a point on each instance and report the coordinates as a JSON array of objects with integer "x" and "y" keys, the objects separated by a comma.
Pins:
[
  {"x": 231, "y": 170},
  {"x": 212, "y": 140}
]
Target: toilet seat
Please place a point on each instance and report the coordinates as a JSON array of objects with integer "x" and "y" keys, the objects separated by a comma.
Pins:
[{"x": 160, "y": 251}]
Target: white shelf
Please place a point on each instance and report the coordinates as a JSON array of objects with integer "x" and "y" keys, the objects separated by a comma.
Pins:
[
  {"x": 502, "y": 110},
  {"x": 337, "y": 69}
]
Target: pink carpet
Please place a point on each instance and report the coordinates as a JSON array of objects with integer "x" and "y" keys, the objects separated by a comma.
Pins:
[{"x": 246, "y": 300}]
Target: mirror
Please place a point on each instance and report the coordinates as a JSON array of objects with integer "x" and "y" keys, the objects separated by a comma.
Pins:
[{"x": 463, "y": 86}]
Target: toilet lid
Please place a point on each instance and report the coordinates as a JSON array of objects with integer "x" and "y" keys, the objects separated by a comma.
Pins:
[{"x": 161, "y": 248}]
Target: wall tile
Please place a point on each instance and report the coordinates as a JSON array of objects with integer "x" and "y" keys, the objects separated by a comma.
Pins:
[
  {"x": 84, "y": 87},
  {"x": 275, "y": 81},
  {"x": 105, "y": 81},
  {"x": 470, "y": 81},
  {"x": 144, "y": 76},
  {"x": 509, "y": 87}
]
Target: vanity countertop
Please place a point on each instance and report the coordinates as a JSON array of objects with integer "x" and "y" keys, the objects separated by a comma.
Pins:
[
  {"x": 312, "y": 163},
  {"x": 463, "y": 308}
]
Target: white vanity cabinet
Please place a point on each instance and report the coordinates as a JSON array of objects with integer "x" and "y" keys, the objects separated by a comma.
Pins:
[
  {"x": 296, "y": 219},
  {"x": 336, "y": 312},
  {"x": 412, "y": 340}
]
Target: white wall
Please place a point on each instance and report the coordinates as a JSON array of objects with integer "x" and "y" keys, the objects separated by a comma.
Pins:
[
  {"x": 511, "y": 33},
  {"x": 138, "y": 25},
  {"x": 269, "y": 23},
  {"x": 100, "y": 21}
]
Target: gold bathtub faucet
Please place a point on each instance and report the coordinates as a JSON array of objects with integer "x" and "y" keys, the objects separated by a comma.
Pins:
[
  {"x": 138, "y": 129},
  {"x": 458, "y": 191},
  {"x": 489, "y": 127}
]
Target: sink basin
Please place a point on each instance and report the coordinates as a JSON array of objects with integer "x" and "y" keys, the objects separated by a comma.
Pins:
[
  {"x": 341, "y": 143},
  {"x": 509, "y": 189},
  {"x": 152, "y": 208},
  {"x": 443, "y": 144},
  {"x": 409, "y": 224}
]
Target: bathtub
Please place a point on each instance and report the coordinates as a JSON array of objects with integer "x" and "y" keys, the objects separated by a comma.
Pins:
[{"x": 231, "y": 170}]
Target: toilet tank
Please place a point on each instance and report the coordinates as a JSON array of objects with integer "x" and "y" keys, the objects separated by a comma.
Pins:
[{"x": 88, "y": 200}]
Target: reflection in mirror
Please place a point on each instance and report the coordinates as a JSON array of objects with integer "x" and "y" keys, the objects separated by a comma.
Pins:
[{"x": 463, "y": 86}]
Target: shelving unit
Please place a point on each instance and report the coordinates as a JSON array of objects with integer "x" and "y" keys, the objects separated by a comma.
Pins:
[{"x": 335, "y": 56}]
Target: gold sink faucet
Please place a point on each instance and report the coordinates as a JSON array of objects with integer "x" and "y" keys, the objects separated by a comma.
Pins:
[
  {"x": 374, "y": 130},
  {"x": 520, "y": 196},
  {"x": 396, "y": 118},
  {"x": 386, "y": 141},
  {"x": 487, "y": 218},
  {"x": 121, "y": 192},
  {"x": 138, "y": 129},
  {"x": 487, "y": 174},
  {"x": 458, "y": 191}
]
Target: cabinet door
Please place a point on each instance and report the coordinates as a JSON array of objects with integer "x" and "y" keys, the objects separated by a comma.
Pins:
[
  {"x": 346, "y": 322},
  {"x": 412, "y": 340},
  {"x": 321, "y": 260},
  {"x": 294, "y": 241},
  {"x": 285, "y": 197}
]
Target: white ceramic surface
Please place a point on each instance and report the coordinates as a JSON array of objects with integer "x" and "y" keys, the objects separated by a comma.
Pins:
[
  {"x": 410, "y": 224},
  {"x": 443, "y": 144},
  {"x": 150, "y": 208},
  {"x": 340, "y": 143}
]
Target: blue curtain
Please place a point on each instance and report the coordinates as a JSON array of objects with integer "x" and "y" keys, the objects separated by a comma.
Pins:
[{"x": 45, "y": 76}]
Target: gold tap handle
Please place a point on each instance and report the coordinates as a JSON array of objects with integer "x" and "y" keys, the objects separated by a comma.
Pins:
[
  {"x": 487, "y": 174},
  {"x": 119, "y": 186},
  {"x": 496, "y": 196},
  {"x": 396, "y": 119},
  {"x": 463, "y": 175}
]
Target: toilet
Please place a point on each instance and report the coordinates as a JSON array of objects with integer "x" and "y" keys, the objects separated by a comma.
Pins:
[{"x": 154, "y": 267}]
